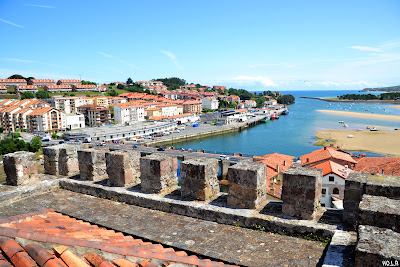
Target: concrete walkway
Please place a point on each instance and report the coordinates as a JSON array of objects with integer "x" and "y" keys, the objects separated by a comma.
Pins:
[{"x": 228, "y": 243}]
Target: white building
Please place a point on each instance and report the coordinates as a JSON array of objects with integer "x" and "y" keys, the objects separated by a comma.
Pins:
[
  {"x": 209, "y": 103},
  {"x": 75, "y": 121},
  {"x": 249, "y": 104},
  {"x": 26, "y": 88},
  {"x": 333, "y": 181},
  {"x": 184, "y": 118},
  {"x": 128, "y": 113}
]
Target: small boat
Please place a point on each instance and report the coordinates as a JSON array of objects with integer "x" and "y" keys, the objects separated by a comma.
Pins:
[
  {"x": 276, "y": 117},
  {"x": 273, "y": 117},
  {"x": 266, "y": 119},
  {"x": 285, "y": 112},
  {"x": 373, "y": 129},
  {"x": 345, "y": 125},
  {"x": 341, "y": 121}
]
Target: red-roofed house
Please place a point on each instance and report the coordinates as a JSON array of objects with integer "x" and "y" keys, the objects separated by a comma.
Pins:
[
  {"x": 42, "y": 82},
  {"x": 12, "y": 82},
  {"x": 26, "y": 88},
  {"x": 276, "y": 165},
  {"x": 379, "y": 165},
  {"x": 84, "y": 88},
  {"x": 46, "y": 119},
  {"x": 328, "y": 153},
  {"x": 69, "y": 82},
  {"x": 3, "y": 89},
  {"x": 129, "y": 112},
  {"x": 57, "y": 88},
  {"x": 95, "y": 115},
  {"x": 192, "y": 106},
  {"x": 333, "y": 180}
]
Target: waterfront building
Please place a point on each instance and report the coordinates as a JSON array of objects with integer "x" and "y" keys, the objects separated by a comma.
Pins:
[
  {"x": 45, "y": 119},
  {"x": 75, "y": 121},
  {"x": 3, "y": 89},
  {"x": 249, "y": 104},
  {"x": 333, "y": 181},
  {"x": 19, "y": 89},
  {"x": 209, "y": 103},
  {"x": 95, "y": 115},
  {"x": 129, "y": 112},
  {"x": 42, "y": 82},
  {"x": 54, "y": 88},
  {"x": 12, "y": 82},
  {"x": 69, "y": 82}
]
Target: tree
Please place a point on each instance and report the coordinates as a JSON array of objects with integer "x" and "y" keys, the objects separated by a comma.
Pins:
[
  {"x": 87, "y": 82},
  {"x": 286, "y": 99},
  {"x": 112, "y": 93},
  {"x": 120, "y": 86},
  {"x": 42, "y": 94},
  {"x": 129, "y": 81},
  {"x": 171, "y": 81},
  {"x": 16, "y": 76},
  {"x": 29, "y": 78},
  {"x": 1, "y": 129},
  {"x": 27, "y": 95},
  {"x": 35, "y": 144},
  {"x": 233, "y": 104}
]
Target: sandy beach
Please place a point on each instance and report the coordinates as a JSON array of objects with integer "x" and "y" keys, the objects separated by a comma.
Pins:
[
  {"x": 381, "y": 142},
  {"x": 362, "y": 115},
  {"x": 395, "y": 106}
]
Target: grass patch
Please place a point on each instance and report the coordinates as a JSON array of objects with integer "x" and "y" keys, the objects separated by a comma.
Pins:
[{"x": 324, "y": 142}]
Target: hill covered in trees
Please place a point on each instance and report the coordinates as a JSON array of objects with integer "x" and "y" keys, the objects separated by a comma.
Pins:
[{"x": 382, "y": 89}]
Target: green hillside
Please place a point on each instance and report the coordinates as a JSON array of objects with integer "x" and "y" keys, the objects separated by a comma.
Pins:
[{"x": 383, "y": 89}]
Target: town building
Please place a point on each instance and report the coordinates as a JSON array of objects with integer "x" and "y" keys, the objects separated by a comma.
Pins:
[
  {"x": 209, "y": 103},
  {"x": 12, "y": 82},
  {"x": 3, "y": 89},
  {"x": 42, "y": 82},
  {"x": 46, "y": 119},
  {"x": 95, "y": 115},
  {"x": 276, "y": 164},
  {"x": 129, "y": 112},
  {"x": 101, "y": 101},
  {"x": 19, "y": 89},
  {"x": 333, "y": 181},
  {"x": 69, "y": 82},
  {"x": 378, "y": 165},
  {"x": 249, "y": 104},
  {"x": 149, "y": 83},
  {"x": 115, "y": 100},
  {"x": 54, "y": 88},
  {"x": 75, "y": 121},
  {"x": 192, "y": 106},
  {"x": 84, "y": 88},
  {"x": 328, "y": 153}
]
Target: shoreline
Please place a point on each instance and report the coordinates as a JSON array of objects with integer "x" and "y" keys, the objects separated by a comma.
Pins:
[
  {"x": 383, "y": 142},
  {"x": 352, "y": 101},
  {"x": 362, "y": 115}
]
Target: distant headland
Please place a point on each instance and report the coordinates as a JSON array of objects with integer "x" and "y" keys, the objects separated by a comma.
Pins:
[{"x": 382, "y": 89}]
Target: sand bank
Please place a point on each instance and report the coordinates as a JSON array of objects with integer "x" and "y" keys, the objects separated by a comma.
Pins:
[
  {"x": 380, "y": 142},
  {"x": 363, "y": 115},
  {"x": 395, "y": 106}
]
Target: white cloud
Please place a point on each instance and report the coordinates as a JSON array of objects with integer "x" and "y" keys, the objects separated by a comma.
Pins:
[
  {"x": 366, "y": 48},
  {"x": 40, "y": 6},
  {"x": 105, "y": 54},
  {"x": 173, "y": 58},
  {"x": 243, "y": 79},
  {"x": 11, "y": 23},
  {"x": 283, "y": 64}
]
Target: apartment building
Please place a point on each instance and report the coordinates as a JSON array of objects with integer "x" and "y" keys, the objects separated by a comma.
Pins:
[
  {"x": 46, "y": 119},
  {"x": 101, "y": 101},
  {"x": 128, "y": 112},
  {"x": 42, "y": 82},
  {"x": 19, "y": 89},
  {"x": 54, "y": 88},
  {"x": 13, "y": 113},
  {"x": 69, "y": 82},
  {"x": 116, "y": 100},
  {"x": 12, "y": 82},
  {"x": 95, "y": 115},
  {"x": 209, "y": 103},
  {"x": 192, "y": 106},
  {"x": 84, "y": 88},
  {"x": 3, "y": 89},
  {"x": 75, "y": 121}
]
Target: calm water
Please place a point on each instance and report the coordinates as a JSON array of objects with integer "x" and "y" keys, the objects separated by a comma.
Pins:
[{"x": 294, "y": 134}]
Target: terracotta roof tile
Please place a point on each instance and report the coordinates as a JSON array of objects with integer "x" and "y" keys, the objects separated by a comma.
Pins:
[
  {"x": 379, "y": 165},
  {"x": 326, "y": 153},
  {"x": 333, "y": 167}
]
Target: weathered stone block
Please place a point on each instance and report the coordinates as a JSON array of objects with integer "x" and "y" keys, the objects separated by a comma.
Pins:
[
  {"x": 62, "y": 159},
  {"x": 199, "y": 179},
  {"x": 92, "y": 164},
  {"x": 158, "y": 173},
  {"x": 247, "y": 185},
  {"x": 377, "y": 246},
  {"x": 380, "y": 212},
  {"x": 51, "y": 158},
  {"x": 301, "y": 192},
  {"x": 123, "y": 167},
  {"x": 20, "y": 168}
]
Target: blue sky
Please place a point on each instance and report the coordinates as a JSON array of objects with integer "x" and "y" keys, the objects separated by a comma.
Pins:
[{"x": 256, "y": 45}]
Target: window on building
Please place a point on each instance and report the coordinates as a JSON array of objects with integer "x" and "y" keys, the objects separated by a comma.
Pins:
[
  {"x": 323, "y": 191},
  {"x": 335, "y": 191},
  {"x": 331, "y": 178}
]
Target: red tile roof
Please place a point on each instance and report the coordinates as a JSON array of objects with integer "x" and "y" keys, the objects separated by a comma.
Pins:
[
  {"x": 3, "y": 87},
  {"x": 12, "y": 80},
  {"x": 79, "y": 86},
  {"x": 326, "y": 153},
  {"x": 40, "y": 111},
  {"x": 69, "y": 81},
  {"x": 43, "y": 81},
  {"x": 27, "y": 87},
  {"x": 379, "y": 165},
  {"x": 55, "y": 86},
  {"x": 329, "y": 167},
  {"x": 57, "y": 229}
]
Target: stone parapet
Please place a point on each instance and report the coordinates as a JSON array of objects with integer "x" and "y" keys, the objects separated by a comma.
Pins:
[
  {"x": 20, "y": 168},
  {"x": 158, "y": 173},
  {"x": 92, "y": 164},
  {"x": 301, "y": 192},
  {"x": 377, "y": 247},
  {"x": 199, "y": 179},
  {"x": 380, "y": 212},
  {"x": 62, "y": 159},
  {"x": 247, "y": 185},
  {"x": 123, "y": 167}
]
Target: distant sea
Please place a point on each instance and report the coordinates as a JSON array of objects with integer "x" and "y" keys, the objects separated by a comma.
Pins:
[{"x": 293, "y": 134}]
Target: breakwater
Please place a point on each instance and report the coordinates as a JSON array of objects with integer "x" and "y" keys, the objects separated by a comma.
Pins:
[{"x": 352, "y": 101}]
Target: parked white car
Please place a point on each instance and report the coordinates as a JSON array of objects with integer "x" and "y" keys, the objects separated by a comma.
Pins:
[{"x": 223, "y": 157}]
